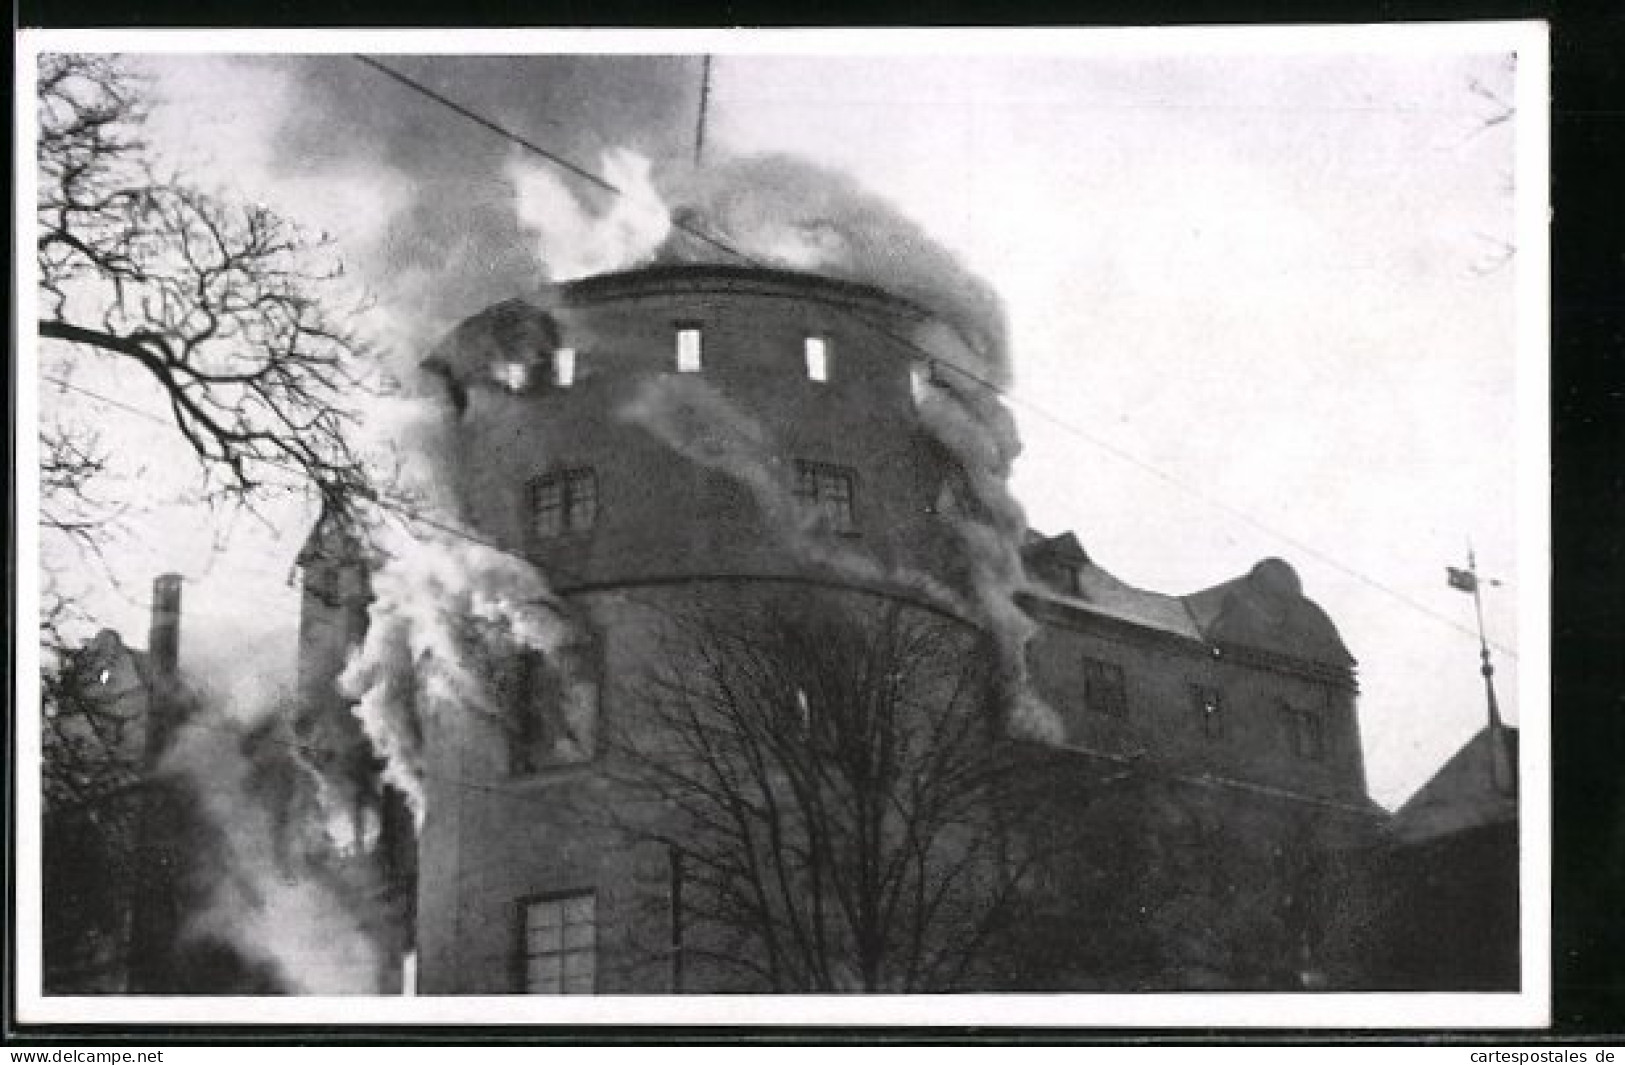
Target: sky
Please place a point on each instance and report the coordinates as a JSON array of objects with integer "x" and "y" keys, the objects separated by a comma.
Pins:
[{"x": 1262, "y": 298}]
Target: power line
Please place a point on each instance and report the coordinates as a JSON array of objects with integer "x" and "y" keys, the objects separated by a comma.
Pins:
[{"x": 689, "y": 227}]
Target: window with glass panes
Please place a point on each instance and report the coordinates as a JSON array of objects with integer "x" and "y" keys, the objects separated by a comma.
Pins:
[
  {"x": 560, "y": 945},
  {"x": 828, "y": 490},
  {"x": 563, "y": 502}
]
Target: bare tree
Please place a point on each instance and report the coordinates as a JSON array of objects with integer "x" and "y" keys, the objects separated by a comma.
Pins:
[
  {"x": 234, "y": 316},
  {"x": 220, "y": 305},
  {"x": 829, "y": 780}
]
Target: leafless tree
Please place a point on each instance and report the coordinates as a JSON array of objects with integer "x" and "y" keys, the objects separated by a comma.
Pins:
[
  {"x": 221, "y": 305},
  {"x": 830, "y": 780},
  {"x": 240, "y": 323}
]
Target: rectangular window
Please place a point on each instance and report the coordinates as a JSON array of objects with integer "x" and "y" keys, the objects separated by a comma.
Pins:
[
  {"x": 1069, "y": 578},
  {"x": 555, "y": 707},
  {"x": 922, "y": 377},
  {"x": 1103, "y": 688},
  {"x": 559, "y": 945},
  {"x": 563, "y": 502},
  {"x": 1209, "y": 705},
  {"x": 827, "y": 490},
  {"x": 564, "y": 367},
  {"x": 817, "y": 351},
  {"x": 688, "y": 349}
]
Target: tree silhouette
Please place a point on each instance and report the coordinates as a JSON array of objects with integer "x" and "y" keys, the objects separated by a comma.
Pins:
[
  {"x": 222, "y": 306},
  {"x": 829, "y": 780},
  {"x": 234, "y": 316}
]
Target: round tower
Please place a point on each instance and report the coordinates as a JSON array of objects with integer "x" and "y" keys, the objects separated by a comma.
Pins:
[
  {"x": 694, "y": 422},
  {"x": 658, "y": 441}
]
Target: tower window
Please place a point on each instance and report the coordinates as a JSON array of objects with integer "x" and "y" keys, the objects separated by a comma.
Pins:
[
  {"x": 1209, "y": 705},
  {"x": 554, "y": 703},
  {"x": 688, "y": 349},
  {"x": 816, "y": 350},
  {"x": 1103, "y": 689},
  {"x": 563, "y": 502},
  {"x": 827, "y": 490},
  {"x": 925, "y": 375},
  {"x": 559, "y": 945},
  {"x": 919, "y": 380},
  {"x": 564, "y": 367}
]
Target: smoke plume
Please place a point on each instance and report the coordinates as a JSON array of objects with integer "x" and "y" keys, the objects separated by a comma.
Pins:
[
  {"x": 260, "y": 865},
  {"x": 787, "y": 212},
  {"x": 571, "y": 240},
  {"x": 448, "y": 612},
  {"x": 692, "y": 418},
  {"x": 478, "y": 221}
]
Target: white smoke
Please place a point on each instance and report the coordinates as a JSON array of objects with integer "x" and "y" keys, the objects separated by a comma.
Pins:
[
  {"x": 573, "y": 239},
  {"x": 448, "y": 611},
  {"x": 692, "y": 418},
  {"x": 252, "y": 787},
  {"x": 971, "y": 423},
  {"x": 776, "y": 210},
  {"x": 449, "y": 615},
  {"x": 783, "y": 211}
]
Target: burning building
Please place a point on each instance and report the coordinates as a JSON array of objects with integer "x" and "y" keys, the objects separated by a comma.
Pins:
[{"x": 692, "y": 438}]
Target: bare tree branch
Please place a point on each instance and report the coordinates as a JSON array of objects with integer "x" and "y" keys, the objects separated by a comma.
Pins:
[
  {"x": 222, "y": 307},
  {"x": 831, "y": 777}
]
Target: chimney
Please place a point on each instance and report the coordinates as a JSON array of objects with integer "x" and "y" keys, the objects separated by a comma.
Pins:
[
  {"x": 163, "y": 664},
  {"x": 154, "y": 904},
  {"x": 164, "y": 638}
]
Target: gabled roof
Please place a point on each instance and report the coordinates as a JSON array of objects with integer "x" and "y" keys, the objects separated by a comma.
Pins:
[
  {"x": 1476, "y": 787},
  {"x": 107, "y": 648},
  {"x": 1100, "y": 592}
]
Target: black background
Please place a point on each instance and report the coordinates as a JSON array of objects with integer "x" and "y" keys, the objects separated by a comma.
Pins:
[{"x": 1588, "y": 414}]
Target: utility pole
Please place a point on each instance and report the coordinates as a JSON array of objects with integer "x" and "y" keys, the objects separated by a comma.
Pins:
[{"x": 705, "y": 102}]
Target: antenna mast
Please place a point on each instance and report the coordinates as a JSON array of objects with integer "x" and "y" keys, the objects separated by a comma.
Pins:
[{"x": 705, "y": 101}]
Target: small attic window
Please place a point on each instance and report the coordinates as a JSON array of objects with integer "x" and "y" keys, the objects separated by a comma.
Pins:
[
  {"x": 816, "y": 350},
  {"x": 688, "y": 348},
  {"x": 564, "y": 367},
  {"x": 1069, "y": 578}
]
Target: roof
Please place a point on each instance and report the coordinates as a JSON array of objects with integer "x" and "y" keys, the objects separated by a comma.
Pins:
[
  {"x": 665, "y": 271},
  {"x": 1264, "y": 609},
  {"x": 1098, "y": 591},
  {"x": 1476, "y": 787}
]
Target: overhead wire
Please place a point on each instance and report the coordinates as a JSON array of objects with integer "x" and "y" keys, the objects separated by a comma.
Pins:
[{"x": 687, "y": 225}]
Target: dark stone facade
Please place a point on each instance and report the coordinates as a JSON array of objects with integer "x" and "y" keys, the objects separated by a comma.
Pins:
[{"x": 1206, "y": 811}]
